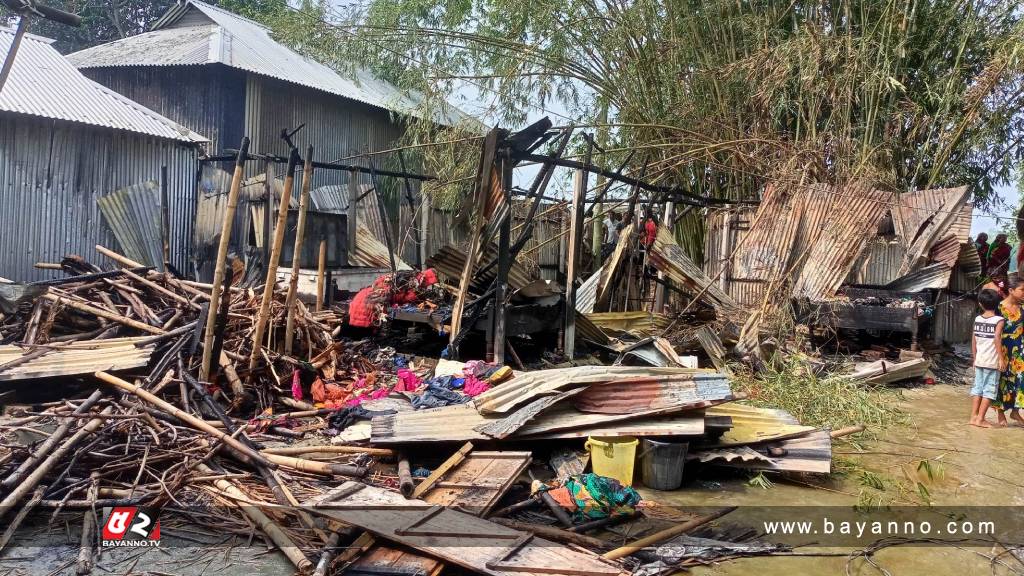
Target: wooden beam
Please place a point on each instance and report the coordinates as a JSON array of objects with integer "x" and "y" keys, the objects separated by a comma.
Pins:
[
  {"x": 575, "y": 247},
  {"x": 300, "y": 231},
  {"x": 443, "y": 469}
]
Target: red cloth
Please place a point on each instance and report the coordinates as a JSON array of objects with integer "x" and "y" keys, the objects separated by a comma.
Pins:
[
  {"x": 360, "y": 309},
  {"x": 652, "y": 232}
]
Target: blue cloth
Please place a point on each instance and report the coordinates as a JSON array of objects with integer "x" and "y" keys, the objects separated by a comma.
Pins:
[
  {"x": 400, "y": 361},
  {"x": 986, "y": 383},
  {"x": 436, "y": 396}
]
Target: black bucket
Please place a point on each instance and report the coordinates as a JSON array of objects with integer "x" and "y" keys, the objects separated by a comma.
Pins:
[{"x": 662, "y": 464}]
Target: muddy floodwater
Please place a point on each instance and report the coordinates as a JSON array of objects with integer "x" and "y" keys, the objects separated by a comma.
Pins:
[{"x": 969, "y": 467}]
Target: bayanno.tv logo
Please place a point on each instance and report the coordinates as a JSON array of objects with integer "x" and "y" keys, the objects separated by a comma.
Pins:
[{"x": 126, "y": 526}]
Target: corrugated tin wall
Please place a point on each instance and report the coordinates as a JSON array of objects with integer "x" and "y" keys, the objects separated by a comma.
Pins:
[
  {"x": 879, "y": 264},
  {"x": 51, "y": 174},
  {"x": 207, "y": 99},
  {"x": 954, "y": 318}
]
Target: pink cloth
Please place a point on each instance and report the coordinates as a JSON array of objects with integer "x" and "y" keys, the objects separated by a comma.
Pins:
[
  {"x": 407, "y": 381},
  {"x": 296, "y": 385},
  {"x": 474, "y": 386}
]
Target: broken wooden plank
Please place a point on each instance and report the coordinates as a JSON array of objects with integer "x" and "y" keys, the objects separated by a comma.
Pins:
[
  {"x": 383, "y": 513},
  {"x": 440, "y": 471},
  {"x": 477, "y": 483}
]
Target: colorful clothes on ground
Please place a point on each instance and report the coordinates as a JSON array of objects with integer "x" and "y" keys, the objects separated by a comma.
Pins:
[
  {"x": 1011, "y": 385},
  {"x": 592, "y": 497}
]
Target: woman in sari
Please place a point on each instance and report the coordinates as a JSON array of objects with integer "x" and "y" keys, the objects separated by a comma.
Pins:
[{"x": 1011, "y": 384}]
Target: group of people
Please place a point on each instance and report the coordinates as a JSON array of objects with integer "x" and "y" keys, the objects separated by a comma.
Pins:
[
  {"x": 614, "y": 223},
  {"x": 996, "y": 257},
  {"x": 998, "y": 350}
]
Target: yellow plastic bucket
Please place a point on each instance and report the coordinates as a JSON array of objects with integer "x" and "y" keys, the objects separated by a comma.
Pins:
[{"x": 613, "y": 457}]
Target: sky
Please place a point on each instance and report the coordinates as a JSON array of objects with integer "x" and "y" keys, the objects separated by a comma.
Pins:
[{"x": 985, "y": 220}]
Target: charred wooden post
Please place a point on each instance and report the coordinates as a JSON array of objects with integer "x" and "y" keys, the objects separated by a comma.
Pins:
[
  {"x": 222, "y": 256},
  {"x": 504, "y": 261},
  {"x": 418, "y": 236},
  {"x": 351, "y": 224},
  {"x": 575, "y": 247},
  {"x": 300, "y": 231}
]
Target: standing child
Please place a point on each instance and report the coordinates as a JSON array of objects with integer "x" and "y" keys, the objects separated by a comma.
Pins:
[{"x": 989, "y": 356}]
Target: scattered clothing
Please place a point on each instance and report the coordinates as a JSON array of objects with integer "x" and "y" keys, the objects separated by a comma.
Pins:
[
  {"x": 346, "y": 417},
  {"x": 296, "y": 385},
  {"x": 592, "y": 497},
  {"x": 437, "y": 396},
  {"x": 420, "y": 472}
]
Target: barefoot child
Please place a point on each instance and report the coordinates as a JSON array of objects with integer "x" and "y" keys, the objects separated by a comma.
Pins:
[{"x": 989, "y": 357}]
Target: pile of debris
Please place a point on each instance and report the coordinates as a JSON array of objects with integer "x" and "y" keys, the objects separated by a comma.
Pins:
[{"x": 165, "y": 402}]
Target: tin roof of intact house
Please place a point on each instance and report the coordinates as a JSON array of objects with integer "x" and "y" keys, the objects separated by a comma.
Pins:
[
  {"x": 196, "y": 33},
  {"x": 44, "y": 83}
]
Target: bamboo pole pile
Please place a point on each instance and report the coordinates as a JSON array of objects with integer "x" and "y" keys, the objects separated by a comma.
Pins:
[{"x": 161, "y": 434}]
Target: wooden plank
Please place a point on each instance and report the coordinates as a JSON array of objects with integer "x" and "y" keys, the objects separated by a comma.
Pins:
[
  {"x": 609, "y": 272},
  {"x": 440, "y": 471},
  {"x": 382, "y": 513},
  {"x": 393, "y": 560},
  {"x": 479, "y": 481},
  {"x": 466, "y": 489}
]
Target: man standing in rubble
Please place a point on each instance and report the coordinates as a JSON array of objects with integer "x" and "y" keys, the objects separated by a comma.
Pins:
[{"x": 611, "y": 234}]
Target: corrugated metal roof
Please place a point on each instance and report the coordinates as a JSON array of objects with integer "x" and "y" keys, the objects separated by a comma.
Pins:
[
  {"x": 586, "y": 294},
  {"x": 931, "y": 276},
  {"x": 75, "y": 358},
  {"x": 183, "y": 37},
  {"x": 636, "y": 321},
  {"x": 751, "y": 424},
  {"x": 372, "y": 253},
  {"x": 43, "y": 83},
  {"x": 331, "y": 198},
  {"x": 666, "y": 256},
  {"x": 133, "y": 215},
  {"x": 526, "y": 386}
]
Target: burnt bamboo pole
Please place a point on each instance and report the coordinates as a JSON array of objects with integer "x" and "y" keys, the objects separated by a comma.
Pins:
[
  {"x": 263, "y": 522},
  {"x": 44, "y": 449},
  {"x": 222, "y": 256},
  {"x": 300, "y": 230},
  {"x": 272, "y": 263},
  {"x": 44, "y": 467},
  {"x": 185, "y": 417},
  {"x": 321, "y": 270}
]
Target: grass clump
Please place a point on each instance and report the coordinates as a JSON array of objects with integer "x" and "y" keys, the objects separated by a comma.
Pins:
[{"x": 832, "y": 401}]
